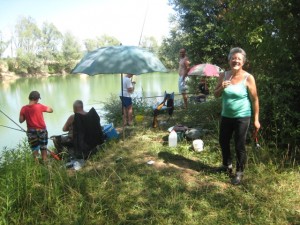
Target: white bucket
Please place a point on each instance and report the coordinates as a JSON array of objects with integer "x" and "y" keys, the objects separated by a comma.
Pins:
[{"x": 198, "y": 145}]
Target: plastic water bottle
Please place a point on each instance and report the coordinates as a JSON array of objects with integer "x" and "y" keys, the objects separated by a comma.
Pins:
[
  {"x": 173, "y": 139},
  {"x": 77, "y": 165}
]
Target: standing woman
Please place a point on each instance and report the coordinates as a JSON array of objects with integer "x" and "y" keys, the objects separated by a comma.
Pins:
[{"x": 239, "y": 102}]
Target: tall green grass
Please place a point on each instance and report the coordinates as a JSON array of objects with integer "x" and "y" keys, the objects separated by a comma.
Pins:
[{"x": 181, "y": 187}]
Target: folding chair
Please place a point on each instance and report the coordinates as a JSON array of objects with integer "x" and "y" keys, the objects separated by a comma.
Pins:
[{"x": 166, "y": 104}]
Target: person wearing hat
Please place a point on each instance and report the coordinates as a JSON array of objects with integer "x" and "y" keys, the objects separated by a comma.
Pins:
[{"x": 36, "y": 127}]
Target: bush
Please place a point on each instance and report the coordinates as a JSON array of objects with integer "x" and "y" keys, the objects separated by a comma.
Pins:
[
  {"x": 3, "y": 66},
  {"x": 113, "y": 112},
  {"x": 140, "y": 106},
  {"x": 112, "y": 108}
]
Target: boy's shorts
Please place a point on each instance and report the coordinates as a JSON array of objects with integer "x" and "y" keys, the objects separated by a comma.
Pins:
[
  {"x": 127, "y": 101},
  {"x": 37, "y": 139}
]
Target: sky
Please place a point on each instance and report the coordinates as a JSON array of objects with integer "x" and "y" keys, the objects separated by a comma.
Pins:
[{"x": 122, "y": 19}]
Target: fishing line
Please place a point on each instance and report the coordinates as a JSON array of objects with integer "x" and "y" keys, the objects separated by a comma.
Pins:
[
  {"x": 144, "y": 22},
  {"x": 12, "y": 128},
  {"x": 55, "y": 156},
  {"x": 12, "y": 120}
]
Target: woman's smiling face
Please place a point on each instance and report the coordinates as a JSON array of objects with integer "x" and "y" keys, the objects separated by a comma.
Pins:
[{"x": 237, "y": 61}]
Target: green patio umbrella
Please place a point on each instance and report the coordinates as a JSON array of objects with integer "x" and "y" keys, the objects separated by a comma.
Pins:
[{"x": 119, "y": 59}]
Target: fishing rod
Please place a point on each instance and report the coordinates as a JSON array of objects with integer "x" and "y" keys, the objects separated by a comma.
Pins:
[
  {"x": 22, "y": 130},
  {"x": 159, "y": 96},
  {"x": 55, "y": 156},
  {"x": 11, "y": 128},
  {"x": 255, "y": 136},
  {"x": 144, "y": 23},
  {"x": 12, "y": 120}
]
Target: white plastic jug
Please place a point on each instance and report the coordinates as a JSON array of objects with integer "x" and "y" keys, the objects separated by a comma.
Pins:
[
  {"x": 173, "y": 139},
  {"x": 198, "y": 145}
]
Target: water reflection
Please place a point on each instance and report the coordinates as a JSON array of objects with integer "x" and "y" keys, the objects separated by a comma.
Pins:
[{"x": 60, "y": 92}]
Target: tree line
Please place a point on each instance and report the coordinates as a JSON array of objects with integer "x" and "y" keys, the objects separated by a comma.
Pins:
[{"x": 37, "y": 50}]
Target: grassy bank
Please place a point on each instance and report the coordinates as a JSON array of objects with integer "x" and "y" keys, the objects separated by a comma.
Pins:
[{"x": 181, "y": 187}]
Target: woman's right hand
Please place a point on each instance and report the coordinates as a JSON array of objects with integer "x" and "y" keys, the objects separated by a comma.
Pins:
[{"x": 226, "y": 83}]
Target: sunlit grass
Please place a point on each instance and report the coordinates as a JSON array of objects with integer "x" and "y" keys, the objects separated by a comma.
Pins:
[{"x": 181, "y": 186}]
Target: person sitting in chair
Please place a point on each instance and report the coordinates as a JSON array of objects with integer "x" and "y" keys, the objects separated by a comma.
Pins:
[
  {"x": 87, "y": 134},
  {"x": 66, "y": 141},
  {"x": 203, "y": 90}
]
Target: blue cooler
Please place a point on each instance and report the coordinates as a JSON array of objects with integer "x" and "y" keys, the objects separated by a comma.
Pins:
[{"x": 110, "y": 131}]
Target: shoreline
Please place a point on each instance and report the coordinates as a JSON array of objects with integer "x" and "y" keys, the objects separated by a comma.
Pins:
[{"x": 11, "y": 76}]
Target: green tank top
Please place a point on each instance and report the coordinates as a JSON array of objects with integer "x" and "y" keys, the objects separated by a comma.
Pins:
[{"x": 236, "y": 101}]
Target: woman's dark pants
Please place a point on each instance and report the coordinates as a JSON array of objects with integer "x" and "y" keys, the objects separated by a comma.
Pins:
[{"x": 238, "y": 127}]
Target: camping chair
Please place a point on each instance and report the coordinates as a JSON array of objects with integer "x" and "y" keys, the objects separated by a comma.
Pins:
[
  {"x": 87, "y": 134},
  {"x": 166, "y": 104}
]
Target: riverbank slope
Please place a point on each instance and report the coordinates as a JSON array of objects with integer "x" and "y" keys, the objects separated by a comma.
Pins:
[{"x": 143, "y": 181}]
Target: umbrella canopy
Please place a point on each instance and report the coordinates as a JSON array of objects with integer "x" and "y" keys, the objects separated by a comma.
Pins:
[
  {"x": 119, "y": 59},
  {"x": 207, "y": 70}
]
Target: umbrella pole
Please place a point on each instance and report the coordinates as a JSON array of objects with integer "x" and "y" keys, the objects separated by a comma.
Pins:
[{"x": 123, "y": 126}]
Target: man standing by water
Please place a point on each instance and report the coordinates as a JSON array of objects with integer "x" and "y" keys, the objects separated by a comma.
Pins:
[
  {"x": 184, "y": 67},
  {"x": 36, "y": 127}
]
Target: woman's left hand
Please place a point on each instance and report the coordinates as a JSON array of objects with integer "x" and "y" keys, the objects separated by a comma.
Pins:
[{"x": 257, "y": 125}]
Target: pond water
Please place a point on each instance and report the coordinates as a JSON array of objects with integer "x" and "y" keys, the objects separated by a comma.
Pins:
[{"x": 59, "y": 92}]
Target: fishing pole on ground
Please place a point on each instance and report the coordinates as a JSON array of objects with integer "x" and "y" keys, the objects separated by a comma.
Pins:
[
  {"x": 161, "y": 96},
  {"x": 55, "y": 156}
]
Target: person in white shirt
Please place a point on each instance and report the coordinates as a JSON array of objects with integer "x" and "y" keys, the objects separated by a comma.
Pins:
[{"x": 128, "y": 88}]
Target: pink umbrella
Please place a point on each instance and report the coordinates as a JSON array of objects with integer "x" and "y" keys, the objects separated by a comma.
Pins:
[{"x": 206, "y": 70}]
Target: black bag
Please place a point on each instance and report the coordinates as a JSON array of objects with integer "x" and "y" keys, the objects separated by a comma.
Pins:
[
  {"x": 180, "y": 128},
  {"x": 87, "y": 133}
]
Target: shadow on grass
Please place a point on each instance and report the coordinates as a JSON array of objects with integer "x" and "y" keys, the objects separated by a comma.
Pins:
[{"x": 183, "y": 162}]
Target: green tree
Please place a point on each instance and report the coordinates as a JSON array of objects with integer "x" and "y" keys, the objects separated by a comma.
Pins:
[
  {"x": 26, "y": 39},
  {"x": 3, "y": 44},
  {"x": 71, "y": 49},
  {"x": 102, "y": 41},
  {"x": 51, "y": 39},
  {"x": 90, "y": 44},
  {"x": 106, "y": 40},
  {"x": 71, "y": 52},
  {"x": 202, "y": 22},
  {"x": 169, "y": 49},
  {"x": 150, "y": 43},
  {"x": 27, "y": 35},
  {"x": 268, "y": 31}
]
